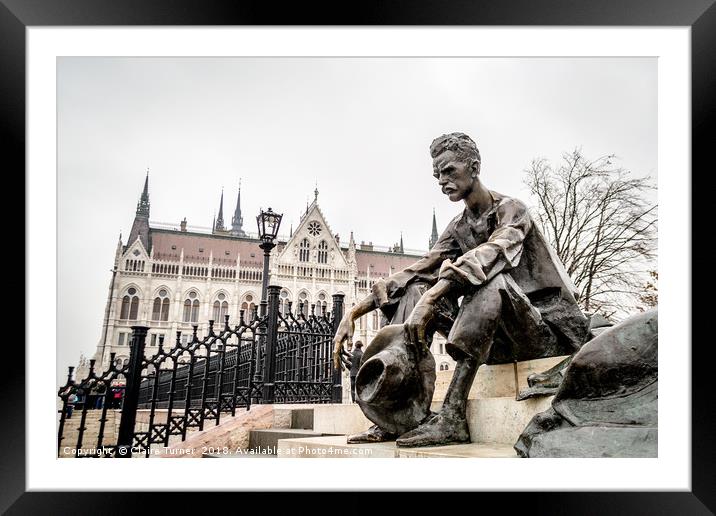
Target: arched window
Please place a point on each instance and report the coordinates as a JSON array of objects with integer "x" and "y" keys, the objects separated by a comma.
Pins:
[
  {"x": 125, "y": 307},
  {"x": 191, "y": 308},
  {"x": 322, "y": 305},
  {"x": 221, "y": 308},
  {"x": 323, "y": 252},
  {"x": 304, "y": 250},
  {"x": 248, "y": 306},
  {"x": 303, "y": 301},
  {"x": 160, "y": 308},
  {"x": 283, "y": 303},
  {"x": 376, "y": 320},
  {"x": 130, "y": 305},
  {"x": 121, "y": 361},
  {"x": 134, "y": 309}
]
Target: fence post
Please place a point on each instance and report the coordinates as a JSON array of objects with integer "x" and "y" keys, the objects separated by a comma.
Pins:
[
  {"x": 337, "y": 392},
  {"x": 269, "y": 375},
  {"x": 125, "y": 437}
]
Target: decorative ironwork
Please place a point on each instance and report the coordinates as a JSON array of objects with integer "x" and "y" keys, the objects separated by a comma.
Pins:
[{"x": 272, "y": 358}]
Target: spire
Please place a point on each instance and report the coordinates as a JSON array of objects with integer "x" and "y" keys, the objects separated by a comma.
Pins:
[
  {"x": 118, "y": 251},
  {"x": 402, "y": 249},
  {"x": 140, "y": 226},
  {"x": 315, "y": 192},
  {"x": 434, "y": 234},
  {"x": 219, "y": 224},
  {"x": 143, "y": 204},
  {"x": 351, "y": 256},
  {"x": 237, "y": 220},
  {"x": 291, "y": 234}
]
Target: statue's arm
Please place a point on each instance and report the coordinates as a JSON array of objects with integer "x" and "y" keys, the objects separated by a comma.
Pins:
[
  {"x": 501, "y": 252},
  {"x": 389, "y": 291}
]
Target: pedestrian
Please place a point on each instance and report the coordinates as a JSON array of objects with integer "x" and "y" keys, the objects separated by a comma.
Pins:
[
  {"x": 356, "y": 357},
  {"x": 71, "y": 400},
  {"x": 101, "y": 393},
  {"x": 80, "y": 399}
]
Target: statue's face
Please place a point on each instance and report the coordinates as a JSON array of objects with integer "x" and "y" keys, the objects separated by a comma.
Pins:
[{"x": 454, "y": 175}]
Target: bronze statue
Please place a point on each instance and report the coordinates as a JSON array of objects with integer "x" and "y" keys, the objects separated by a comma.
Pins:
[{"x": 517, "y": 304}]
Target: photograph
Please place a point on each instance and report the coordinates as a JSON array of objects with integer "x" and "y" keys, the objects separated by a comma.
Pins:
[
  {"x": 357, "y": 257},
  {"x": 396, "y": 231}
]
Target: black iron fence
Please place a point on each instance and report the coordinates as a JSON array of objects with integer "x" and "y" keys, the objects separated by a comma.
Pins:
[{"x": 268, "y": 358}]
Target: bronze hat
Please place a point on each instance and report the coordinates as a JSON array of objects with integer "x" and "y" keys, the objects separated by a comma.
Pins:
[{"x": 395, "y": 386}]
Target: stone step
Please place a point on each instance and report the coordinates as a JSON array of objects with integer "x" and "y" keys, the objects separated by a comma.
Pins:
[
  {"x": 336, "y": 447},
  {"x": 260, "y": 440},
  {"x": 491, "y": 420}
]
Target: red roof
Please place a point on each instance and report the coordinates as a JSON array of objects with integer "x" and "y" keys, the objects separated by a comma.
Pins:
[
  {"x": 382, "y": 262},
  {"x": 168, "y": 244},
  {"x": 225, "y": 249}
]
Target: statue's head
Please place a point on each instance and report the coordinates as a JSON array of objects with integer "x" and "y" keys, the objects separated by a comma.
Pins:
[{"x": 456, "y": 164}]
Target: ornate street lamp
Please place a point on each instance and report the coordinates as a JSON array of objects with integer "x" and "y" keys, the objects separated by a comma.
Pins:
[{"x": 268, "y": 223}]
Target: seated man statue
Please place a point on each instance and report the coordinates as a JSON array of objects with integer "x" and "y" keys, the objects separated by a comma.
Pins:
[{"x": 517, "y": 302}]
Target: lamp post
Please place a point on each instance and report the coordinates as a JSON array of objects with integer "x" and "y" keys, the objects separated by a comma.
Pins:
[{"x": 268, "y": 223}]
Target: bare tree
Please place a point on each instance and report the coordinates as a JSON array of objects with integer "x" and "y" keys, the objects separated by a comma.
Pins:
[
  {"x": 650, "y": 295},
  {"x": 601, "y": 224}
]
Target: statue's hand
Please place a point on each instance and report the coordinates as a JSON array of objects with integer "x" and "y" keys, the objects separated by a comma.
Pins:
[
  {"x": 380, "y": 292},
  {"x": 344, "y": 333},
  {"x": 417, "y": 322}
]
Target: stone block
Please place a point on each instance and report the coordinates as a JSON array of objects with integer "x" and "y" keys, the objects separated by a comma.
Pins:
[
  {"x": 342, "y": 419},
  {"x": 502, "y": 420}
]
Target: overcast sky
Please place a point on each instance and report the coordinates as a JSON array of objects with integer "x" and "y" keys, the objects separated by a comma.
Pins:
[{"x": 359, "y": 128}]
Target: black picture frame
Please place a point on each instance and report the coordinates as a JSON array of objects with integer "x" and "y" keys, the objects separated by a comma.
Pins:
[{"x": 700, "y": 15}]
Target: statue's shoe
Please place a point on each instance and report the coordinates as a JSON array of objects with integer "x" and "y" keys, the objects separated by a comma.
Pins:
[
  {"x": 437, "y": 431},
  {"x": 373, "y": 435}
]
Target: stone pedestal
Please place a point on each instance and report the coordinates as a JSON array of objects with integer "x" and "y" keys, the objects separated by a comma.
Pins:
[{"x": 494, "y": 416}]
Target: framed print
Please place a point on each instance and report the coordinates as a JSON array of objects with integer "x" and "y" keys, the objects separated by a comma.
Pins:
[{"x": 153, "y": 138}]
